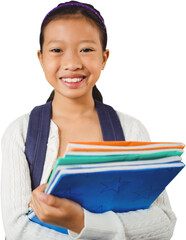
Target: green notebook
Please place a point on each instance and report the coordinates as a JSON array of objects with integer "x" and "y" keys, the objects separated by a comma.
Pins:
[{"x": 92, "y": 159}]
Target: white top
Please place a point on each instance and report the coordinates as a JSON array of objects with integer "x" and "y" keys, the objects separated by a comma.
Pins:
[{"x": 155, "y": 223}]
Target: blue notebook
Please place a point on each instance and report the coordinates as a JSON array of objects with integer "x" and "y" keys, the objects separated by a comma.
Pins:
[{"x": 119, "y": 188}]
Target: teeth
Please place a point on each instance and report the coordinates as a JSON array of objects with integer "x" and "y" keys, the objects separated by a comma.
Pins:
[{"x": 72, "y": 79}]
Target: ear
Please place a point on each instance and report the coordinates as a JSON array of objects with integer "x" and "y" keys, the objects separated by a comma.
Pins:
[
  {"x": 40, "y": 57},
  {"x": 105, "y": 57}
]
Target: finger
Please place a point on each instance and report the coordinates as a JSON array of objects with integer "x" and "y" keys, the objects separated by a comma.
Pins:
[
  {"x": 41, "y": 188},
  {"x": 34, "y": 206},
  {"x": 40, "y": 208},
  {"x": 48, "y": 199},
  {"x": 38, "y": 193},
  {"x": 57, "y": 202},
  {"x": 36, "y": 202},
  {"x": 51, "y": 200}
]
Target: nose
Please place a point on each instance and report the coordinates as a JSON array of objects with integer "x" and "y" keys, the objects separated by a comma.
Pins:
[{"x": 71, "y": 61}]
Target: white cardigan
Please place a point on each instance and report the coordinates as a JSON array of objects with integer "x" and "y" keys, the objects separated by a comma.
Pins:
[{"x": 155, "y": 223}]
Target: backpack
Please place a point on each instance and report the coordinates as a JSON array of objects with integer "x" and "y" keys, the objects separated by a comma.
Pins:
[{"x": 38, "y": 132}]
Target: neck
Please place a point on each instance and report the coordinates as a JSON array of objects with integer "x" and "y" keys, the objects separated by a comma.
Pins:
[{"x": 72, "y": 107}]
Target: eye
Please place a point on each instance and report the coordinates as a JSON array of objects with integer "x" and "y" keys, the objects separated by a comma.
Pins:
[
  {"x": 87, "y": 50},
  {"x": 56, "y": 50}
]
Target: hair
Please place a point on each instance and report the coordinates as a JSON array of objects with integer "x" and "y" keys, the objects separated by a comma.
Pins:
[{"x": 61, "y": 12}]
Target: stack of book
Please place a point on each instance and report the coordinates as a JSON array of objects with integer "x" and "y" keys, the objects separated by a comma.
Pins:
[{"x": 119, "y": 176}]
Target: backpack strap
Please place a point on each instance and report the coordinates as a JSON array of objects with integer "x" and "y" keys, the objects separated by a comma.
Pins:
[
  {"x": 38, "y": 132},
  {"x": 110, "y": 123},
  {"x": 36, "y": 141}
]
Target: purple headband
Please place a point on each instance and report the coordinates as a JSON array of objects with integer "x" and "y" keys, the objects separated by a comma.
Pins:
[{"x": 77, "y": 4}]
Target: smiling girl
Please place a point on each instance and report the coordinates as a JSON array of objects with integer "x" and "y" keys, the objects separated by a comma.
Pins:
[
  {"x": 72, "y": 58},
  {"x": 72, "y": 54}
]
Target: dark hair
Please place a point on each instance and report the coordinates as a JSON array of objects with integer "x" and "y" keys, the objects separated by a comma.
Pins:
[
  {"x": 60, "y": 12},
  {"x": 70, "y": 10}
]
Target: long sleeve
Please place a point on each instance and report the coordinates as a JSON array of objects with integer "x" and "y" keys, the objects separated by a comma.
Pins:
[
  {"x": 155, "y": 223},
  {"x": 16, "y": 188}
]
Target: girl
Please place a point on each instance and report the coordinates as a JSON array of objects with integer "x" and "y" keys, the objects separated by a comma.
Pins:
[{"x": 72, "y": 54}]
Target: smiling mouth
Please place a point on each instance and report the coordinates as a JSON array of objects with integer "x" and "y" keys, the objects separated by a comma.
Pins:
[{"x": 73, "y": 80}]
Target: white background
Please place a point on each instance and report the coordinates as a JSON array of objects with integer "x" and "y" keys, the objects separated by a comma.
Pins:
[{"x": 145, "y": 75}]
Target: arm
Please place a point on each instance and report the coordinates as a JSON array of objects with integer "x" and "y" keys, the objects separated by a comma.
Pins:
[
  {"x": 16, "y": 188},
  {"x": 155, "y": 223}
]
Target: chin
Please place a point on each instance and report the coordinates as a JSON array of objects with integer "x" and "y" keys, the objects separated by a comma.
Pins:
[{"x": 73, "y": 94}]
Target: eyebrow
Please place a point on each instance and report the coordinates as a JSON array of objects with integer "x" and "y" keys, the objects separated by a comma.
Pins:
[
  {"x": 91, "y": 41},
  {"x": 61, "y": 41}
]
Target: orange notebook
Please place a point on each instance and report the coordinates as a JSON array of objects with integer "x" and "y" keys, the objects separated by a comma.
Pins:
[{"x": 122, "y": 146}]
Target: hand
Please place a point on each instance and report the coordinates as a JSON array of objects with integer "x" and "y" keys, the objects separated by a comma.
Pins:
[{"x": 57, "y": 211}]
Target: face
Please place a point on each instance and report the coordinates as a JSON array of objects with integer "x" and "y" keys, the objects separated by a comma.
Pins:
[{"x": 72, "y": 57}]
